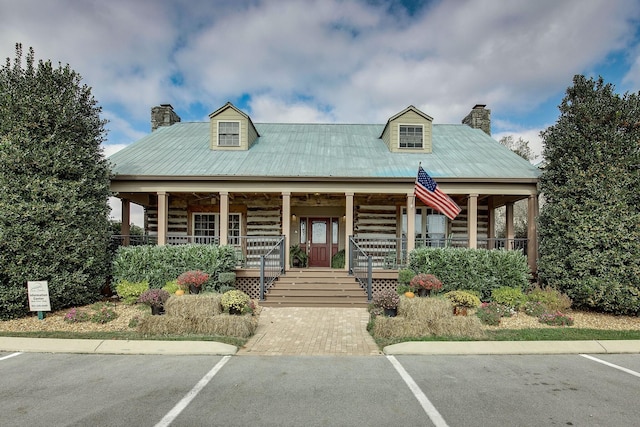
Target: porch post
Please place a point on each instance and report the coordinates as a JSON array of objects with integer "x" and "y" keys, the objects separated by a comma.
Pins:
[
  {"x": 125, "y": 220},
  {"x": 411, "y": 223},
  {"x": 491, "y": 226},
  {"x": 348, "y": 226},
  {"x": 472, "y": 220},
  {"x": 532, "y": 235},
  {"x": 163, "y": 217},
  {"x": 509, "y": 229},
  {"x": 224, "y": 218},
  {"x": 286, "y": 226}
]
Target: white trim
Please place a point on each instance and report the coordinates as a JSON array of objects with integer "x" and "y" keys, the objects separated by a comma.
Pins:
[
  {"x": 239, "y": 122},
  {"x": 421, "y": 125}
]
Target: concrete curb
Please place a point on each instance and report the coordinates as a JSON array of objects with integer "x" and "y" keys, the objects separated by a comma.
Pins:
[
  {"x": 53, "y": 345},
  {"x": 513, "y": 347}
]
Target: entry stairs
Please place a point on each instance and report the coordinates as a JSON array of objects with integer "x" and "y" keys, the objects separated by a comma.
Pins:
[{"x": 315, "y": 287}]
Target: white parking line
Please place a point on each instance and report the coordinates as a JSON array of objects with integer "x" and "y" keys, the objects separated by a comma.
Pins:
[
  {"x": 426, "y": 404},
  {"x": 176, "y": 410},
  {"x": 604, "y": 362},
  {"x": 9, "y": 356}
]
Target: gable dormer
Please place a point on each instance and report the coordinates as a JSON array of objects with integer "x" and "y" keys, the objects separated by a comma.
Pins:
[
  {"x": 409, "y": 131},
  {"x": 231, "y": 129}
]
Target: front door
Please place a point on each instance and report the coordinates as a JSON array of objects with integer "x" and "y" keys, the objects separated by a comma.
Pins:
[{"x": 319, "y": 242}]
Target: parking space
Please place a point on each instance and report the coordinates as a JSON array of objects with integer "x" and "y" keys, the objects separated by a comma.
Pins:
[
  {"x": 525, "y": 390},
  {"x": 67, "y": 389}
]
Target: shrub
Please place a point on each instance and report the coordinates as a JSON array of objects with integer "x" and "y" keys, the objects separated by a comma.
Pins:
[
  {"x": 462, "y": 299},
  {"x": 102, "y": 313},
  {"x": 171, "y": 286},
  {"x": 490, "y": 313},
  {"x": 405, "y": 275},
  {"x": 154, "y": 297},
  {"x": 556, "y": 319},
  {"x": 479, "y": 270},
  {"x": 227, "y": 279},
  {"x": 386, "y": 298},
  {"x": 161, "y": 264},
  {"x": 534, "y": 308},
  {"x": 75, "y": 316},
  {"x": 235, "y": 300},
  {"x": 337, "y": 261},
  {"x": 513, "y": 298},
  {"x": 13, "y": 301},
  {"x": 129, "y": 292},
  {"x": 552, "y": 299}
]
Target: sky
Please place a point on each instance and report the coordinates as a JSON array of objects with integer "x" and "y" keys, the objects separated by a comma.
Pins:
[{"x": 330, "y": 61}]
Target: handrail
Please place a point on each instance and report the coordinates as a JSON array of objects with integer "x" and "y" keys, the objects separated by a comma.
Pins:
[
  {"x": 361, "y": 267},
  {"x": 271, "y": 266}
]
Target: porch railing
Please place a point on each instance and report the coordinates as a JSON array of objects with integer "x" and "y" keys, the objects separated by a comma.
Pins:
[
  {"x": 185, "y": 240},
  {"x": 271, "y": 266},
  {"x": 361, "y": 266},
  {"x": 249, "y": 249}
]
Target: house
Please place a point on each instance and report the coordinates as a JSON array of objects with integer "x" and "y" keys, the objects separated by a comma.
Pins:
[{"x": 323, "y": 186}]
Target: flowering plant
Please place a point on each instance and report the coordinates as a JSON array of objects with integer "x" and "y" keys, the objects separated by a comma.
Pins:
[
  {"x": 490, "y": 313},
  {"x": 154, "y": 297},
  {"x": 386, "y": 298},
  {"x": 426, "y": 281},
  {"x": 193, "y": 277},
  {"x": 235, "y": 300},
  {"x": 556, "y": 319},
  {"x": 74, "y": 316},
  {"x": 463, "y": 299}
]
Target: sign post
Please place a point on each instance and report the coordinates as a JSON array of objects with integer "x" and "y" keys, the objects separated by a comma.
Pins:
[{"x": 39, "y": 297}]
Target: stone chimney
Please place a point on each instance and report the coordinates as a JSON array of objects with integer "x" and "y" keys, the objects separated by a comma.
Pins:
[
  {"x": 163, "y": 116},
  {"x": 479, "y": 118}
]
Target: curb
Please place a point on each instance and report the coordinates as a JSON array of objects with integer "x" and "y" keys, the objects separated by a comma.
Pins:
[
  {"x": 80, "y": 346},
  {"x": 512, "y": 347}
]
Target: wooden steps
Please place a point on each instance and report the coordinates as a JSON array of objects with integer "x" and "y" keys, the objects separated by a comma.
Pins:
[{"x": 316, "y": 287}]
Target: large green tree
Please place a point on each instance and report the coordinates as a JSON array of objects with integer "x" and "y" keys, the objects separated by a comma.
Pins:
[
  {"x": 54, "y": 182},
  {"x": 590, "y": 224}
]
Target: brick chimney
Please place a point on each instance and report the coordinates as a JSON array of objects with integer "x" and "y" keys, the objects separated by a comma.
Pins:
[
  {"x": 479, "y": 118},
  {"x": 163, "y": 116}
]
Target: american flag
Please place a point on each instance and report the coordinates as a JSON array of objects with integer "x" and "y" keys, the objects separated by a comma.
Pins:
[{"x": 427, "y": 190}]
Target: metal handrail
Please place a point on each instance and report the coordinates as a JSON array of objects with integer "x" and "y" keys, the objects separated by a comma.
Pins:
[
  {"x": 271, "y": 266},
  {"x": 361, "y": 266}
]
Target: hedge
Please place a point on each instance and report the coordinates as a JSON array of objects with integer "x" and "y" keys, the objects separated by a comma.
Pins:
[
  {"x": 161, "y": 264},
  {"x": 478, "y": 270}
]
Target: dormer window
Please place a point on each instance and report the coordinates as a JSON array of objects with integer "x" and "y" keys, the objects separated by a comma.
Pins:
[
  {"x": 229, "y": 134},
  {"x": 410, "y": 136}
]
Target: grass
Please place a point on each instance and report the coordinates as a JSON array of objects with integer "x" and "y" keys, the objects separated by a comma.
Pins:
[
  {"x": 238, "y": 342},
  {"x": 534, "y": 334}
]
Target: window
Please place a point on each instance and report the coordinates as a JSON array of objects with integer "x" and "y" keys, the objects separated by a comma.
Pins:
[
  {"x": 410, "y": 136},
  {"x": 229, "y": 134},
  {"x": 206, "y": 228}
]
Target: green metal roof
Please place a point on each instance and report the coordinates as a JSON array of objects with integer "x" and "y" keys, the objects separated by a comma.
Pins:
[{"x": 319, "y": 150}]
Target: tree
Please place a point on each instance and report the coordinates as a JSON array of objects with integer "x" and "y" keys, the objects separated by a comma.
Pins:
[
  {"x": 55, "y": 185},
  {"x": 520, "y": 208},
  {"x": 520, "y": 147},
  {"x": 590, "y": 224}
]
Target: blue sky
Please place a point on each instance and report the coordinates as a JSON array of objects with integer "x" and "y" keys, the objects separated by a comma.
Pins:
[{"x": 357, "y": 61}]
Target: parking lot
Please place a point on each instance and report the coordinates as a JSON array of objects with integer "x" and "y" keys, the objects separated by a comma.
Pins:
[{"x": 41, "y": 389}]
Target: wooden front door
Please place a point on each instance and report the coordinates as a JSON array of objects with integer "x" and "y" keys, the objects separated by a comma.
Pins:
[{"x": 319, "y": 242}]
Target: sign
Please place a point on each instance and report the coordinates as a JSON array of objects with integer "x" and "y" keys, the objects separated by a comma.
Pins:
[{"x": 39, "y": 296}]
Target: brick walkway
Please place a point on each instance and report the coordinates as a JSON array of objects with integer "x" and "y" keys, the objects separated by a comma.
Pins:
[{"x": 311, "y": 332}]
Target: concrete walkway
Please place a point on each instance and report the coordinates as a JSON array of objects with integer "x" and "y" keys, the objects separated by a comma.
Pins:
[{"x": 311, "y": 331}]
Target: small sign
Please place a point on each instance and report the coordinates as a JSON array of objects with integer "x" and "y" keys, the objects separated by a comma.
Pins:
[{"x": 39, "y": 296}]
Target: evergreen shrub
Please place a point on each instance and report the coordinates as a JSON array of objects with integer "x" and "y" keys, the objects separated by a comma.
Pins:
[{"x": 478, "y": 270}]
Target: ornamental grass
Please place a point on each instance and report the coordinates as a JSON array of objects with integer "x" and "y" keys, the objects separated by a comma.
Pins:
[{"x": 420, "y": 317}]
